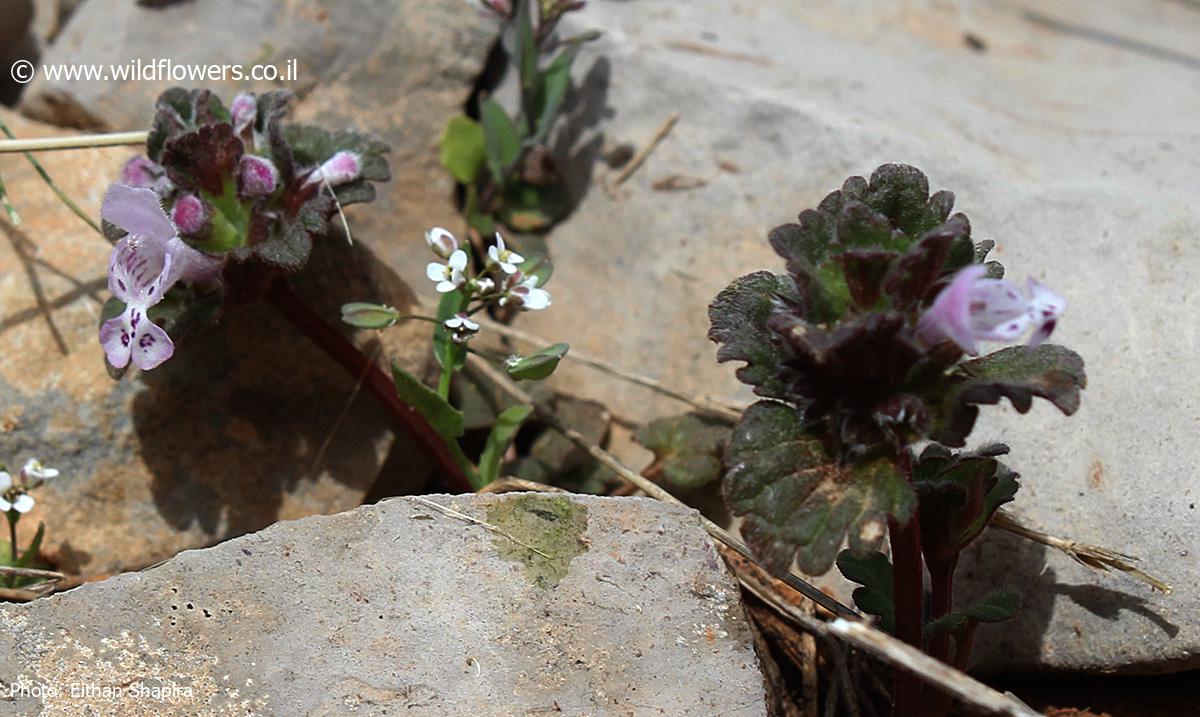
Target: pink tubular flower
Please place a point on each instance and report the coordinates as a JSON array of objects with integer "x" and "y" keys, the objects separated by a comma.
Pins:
[
  {"x": 143, "y": 266},
  {"x": 259, "y": 176},
  {"x": 143, "y": 173},
  {"x": 341, "y": 168},
  {"x": 973, "y": 308},
  {"x": 243, "y": 112}
]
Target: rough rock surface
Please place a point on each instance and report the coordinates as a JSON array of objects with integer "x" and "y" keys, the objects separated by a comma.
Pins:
[
  {"x": 400, "y": 608},
  {"x": 17, "y": 42},
  {"x": 1069, "y": 138},
  {"x": 240, "y": 429}
]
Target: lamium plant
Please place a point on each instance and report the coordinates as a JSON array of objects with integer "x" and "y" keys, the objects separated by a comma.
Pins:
[
  {"x": 866, "y": 356},
  {"x": 226, "y": 203}
]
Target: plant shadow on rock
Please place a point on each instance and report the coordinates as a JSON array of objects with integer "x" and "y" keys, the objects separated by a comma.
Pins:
[
  {"x": 250, "y": 409},
  {"x": 1023, "y": 564},
  {"x": 585, "y": 107}
]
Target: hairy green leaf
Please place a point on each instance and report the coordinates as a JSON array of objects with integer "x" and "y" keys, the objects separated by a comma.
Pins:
[
  {"x": 688, "y": 449},
  {"x": 957, "y": 494},
  {"x": 739, "y": 318},
  {"x": 877, "y": 596},
  {"x": 1017, "y": 373},
  {"x": 1052, "y": 372},
  {"x": 901, "y": 193},
  {"x": 462, "y": 149},
  {"x": 997, "y": 606},
  {"x": 798, "y": 500}
]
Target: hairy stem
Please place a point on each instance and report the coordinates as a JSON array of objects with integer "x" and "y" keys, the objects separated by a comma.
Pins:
[
  {"x": 357, "y": 364},
  {"x": 941, "y": 576},
  {"x": 908, "y": 579}
]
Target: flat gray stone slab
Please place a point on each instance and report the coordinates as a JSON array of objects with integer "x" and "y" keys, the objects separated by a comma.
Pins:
[
  {"x": 592, "y": 606},
  {"x": 1071, "y": 141}
]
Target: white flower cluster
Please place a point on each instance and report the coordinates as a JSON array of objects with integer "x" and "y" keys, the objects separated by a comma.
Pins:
[
  {"x": 14, "y": 494},
  {"x": 501, "y": 281}
]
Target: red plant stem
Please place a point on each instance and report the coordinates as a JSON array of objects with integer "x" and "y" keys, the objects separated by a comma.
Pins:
[
  {"x": 941, "y": 575},
  {"x": 908, "y": 582},
  {"x": 376, "y": 381}
]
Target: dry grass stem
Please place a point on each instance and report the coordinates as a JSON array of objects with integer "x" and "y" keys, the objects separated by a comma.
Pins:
[
  {"x": 476, "y": 521},
  {"x": 80, "y": 141},
  {"x": 722, "y": 409},
  {"x": 1092, "y": 556},
  {"x": 640, "y": 157}
]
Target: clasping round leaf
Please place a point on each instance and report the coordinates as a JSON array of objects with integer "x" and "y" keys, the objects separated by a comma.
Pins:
[{"x": 537, "y": 366}]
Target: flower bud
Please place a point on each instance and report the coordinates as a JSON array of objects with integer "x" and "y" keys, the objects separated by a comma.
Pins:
[
  {"x": 142, "y": 173},
  {"x": 258, "y": 176},
  {"x": 441, "y": 241},
  {"x": 243, "y": 112},
  {"x": 189, "y": 214}
]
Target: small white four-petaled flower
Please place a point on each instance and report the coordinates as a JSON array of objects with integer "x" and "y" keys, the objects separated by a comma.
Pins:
[
  {"x": 504, "y": 257},
  {"x": 14, "y": 494},
  {"x": 523, "y": 293},
  {"x": 449, "y": 276},
  {"x": 461, "y": 328}
]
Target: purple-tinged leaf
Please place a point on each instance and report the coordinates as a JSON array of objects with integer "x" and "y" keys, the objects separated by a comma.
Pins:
[{"x": 798, "y": 501}]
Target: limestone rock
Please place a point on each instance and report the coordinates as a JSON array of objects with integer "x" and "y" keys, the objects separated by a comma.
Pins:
[
  {"x": 240, "y": 429},
  {"x": 399, "y": 607},
  {"x": 1068, "y": 136}
]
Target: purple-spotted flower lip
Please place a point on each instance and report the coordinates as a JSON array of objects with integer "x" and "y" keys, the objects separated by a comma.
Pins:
[
  {"x": 973, "y": 308},
  {"x": 144, "y": 265}
]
